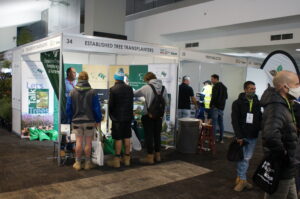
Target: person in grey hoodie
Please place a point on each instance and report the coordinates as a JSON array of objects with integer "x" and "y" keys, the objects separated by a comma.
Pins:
[{"x": 152, "y": 127}]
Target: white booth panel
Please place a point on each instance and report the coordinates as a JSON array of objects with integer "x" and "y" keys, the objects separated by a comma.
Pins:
[
  {"x": 208, "y": 69},
  {"x": 191, "y": 69},
  {"x": 233, "y": 78},
  {"x": 161, "y": 60},
  {"x": 259, "y": 77},
  {"x": 33, "y": 57},
  {"x": 133, "y": 60},
  {"x": 16, "y": 121},
  {"x": 102, "y": 59},
  {"x": 76, "y": 58}
]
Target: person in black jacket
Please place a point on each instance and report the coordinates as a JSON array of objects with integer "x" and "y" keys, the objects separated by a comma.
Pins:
[
  {"x": 121, "y": 114},
  {"x": 246, "y": 122},
  {"x": 279, "y": 131},
  {"x": 217, "y": 105}
]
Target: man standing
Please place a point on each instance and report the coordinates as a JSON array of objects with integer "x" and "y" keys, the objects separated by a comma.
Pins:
[
  {"x": 121, "y": 114},
  {"x": 83, "y": 109},
  {"x": 186, "y": 95},
  {"x": 246, "y": 122},
  {"x": 154, "y": 92},
  {"x": 279, "y": 133},
  {"x": 217, "y": 105},
  {"x": 70, "y": 81}
]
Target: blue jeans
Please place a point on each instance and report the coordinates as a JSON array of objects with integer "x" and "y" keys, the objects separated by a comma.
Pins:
[
  {"x": 217, "y": 122},
  {"x": 242, "y": 166}
]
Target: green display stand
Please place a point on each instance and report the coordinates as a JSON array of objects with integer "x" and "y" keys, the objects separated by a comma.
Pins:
[
  {"x": 40, "y": 134},
  {"x": 34, "y": 134}
]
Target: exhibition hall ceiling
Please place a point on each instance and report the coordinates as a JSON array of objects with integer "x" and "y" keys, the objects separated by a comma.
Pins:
[
  {"x": 20, "y": 12},
  {"x": 262, "y": 51}
]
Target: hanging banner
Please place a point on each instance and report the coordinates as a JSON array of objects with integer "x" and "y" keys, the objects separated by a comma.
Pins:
[
  {"x": 276, "y": 62},
  {"x": 136, "y": 75},
  {"x": 50, "y": 61},
  {"x": 37, "y": 97}
]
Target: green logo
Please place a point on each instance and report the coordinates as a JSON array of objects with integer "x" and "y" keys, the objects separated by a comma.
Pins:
[
  {"x": 101, "y": 75},
  {"x": 279, "y": 68}
]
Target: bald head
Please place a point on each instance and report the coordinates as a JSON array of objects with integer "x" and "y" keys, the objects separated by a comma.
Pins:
[{"x": 285, "y": 78}]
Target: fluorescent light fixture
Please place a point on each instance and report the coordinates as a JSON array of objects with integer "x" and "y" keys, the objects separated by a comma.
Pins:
[
  {"x": 298, "y": 49},
  {"x": 254, "y": 55}
]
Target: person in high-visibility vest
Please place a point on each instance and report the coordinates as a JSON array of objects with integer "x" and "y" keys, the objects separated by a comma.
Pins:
[{"x": 207, "y": 91}]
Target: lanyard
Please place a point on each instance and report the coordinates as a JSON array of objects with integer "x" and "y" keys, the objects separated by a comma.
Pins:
[
  {"x": 291, "y": 110},
  {"x": 250, "y": 105}
]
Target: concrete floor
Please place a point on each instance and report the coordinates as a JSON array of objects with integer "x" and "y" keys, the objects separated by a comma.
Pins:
[{"x": 27, "y": 171}]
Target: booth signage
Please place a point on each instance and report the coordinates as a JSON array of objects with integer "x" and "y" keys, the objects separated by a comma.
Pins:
[
  {"x": 42, "y": 46},
  {"x": 116, "y": 46}
]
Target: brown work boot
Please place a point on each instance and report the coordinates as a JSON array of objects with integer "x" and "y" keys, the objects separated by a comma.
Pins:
[
  {"x": 242, "y": 185},
  {"x": 157, "y": 157},
  {"x": 126, "y": 160},
  {"x": 149, "y": 159},
  {"x": 237, "y": 180},
  {"x": 77, "y": 166},
  {"x": 115, "y": 162},
  {"x": 89, "y": 165}
]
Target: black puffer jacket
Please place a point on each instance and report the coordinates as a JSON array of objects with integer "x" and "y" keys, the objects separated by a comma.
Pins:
[
  {"x": 279, "y": 132},
  {"x": 240, "y": 108},
  {"x": 121, "y": 102}
]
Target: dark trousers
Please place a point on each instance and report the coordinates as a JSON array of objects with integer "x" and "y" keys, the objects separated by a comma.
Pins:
[{"x": 152, "y": 129}]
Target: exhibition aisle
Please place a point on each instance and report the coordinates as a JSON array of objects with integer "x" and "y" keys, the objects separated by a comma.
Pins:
[{"x": 27, "y": 170}]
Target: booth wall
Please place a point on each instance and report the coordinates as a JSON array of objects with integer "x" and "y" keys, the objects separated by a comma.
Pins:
[
  {"x": 260, "y": 79},
  {"x": 16, "y": 92},
  {"x": 233, "y": 78}
]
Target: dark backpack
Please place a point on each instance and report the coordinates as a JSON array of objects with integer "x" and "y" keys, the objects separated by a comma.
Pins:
[{"x": 157, "y": 108}]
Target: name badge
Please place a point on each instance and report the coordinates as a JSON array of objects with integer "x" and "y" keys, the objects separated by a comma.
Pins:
[{"x": 249, "y": 119}]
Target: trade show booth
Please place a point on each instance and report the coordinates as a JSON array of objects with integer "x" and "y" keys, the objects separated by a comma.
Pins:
[
  {"x": 231, "y": 70},
  {"x": 39, "y": 71}
]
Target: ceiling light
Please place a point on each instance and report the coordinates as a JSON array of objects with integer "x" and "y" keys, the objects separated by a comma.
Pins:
[
  {"x": 254, "y": 55},
  {"x": 298, "y": 49}
]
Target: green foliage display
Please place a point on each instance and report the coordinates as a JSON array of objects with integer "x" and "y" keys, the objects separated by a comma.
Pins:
[{"x": 5, "y": 95}]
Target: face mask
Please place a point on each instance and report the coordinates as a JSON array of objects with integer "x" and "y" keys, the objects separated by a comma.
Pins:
[
  {"x": 295, "y": 92},
  {"x": 250, "y": 95}
]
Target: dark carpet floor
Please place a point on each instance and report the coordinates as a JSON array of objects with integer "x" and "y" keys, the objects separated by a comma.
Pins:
[{"x": 26, "y": 164}]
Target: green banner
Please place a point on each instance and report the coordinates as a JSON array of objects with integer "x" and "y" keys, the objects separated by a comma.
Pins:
[
  {"x": 50, "y": 62},
  {"x": 136, "y": 75}
]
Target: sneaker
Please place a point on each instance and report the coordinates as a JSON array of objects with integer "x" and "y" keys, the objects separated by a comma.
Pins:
[
  {"x": 77, "y": 166},
  {"x": 89, "y": 165}
]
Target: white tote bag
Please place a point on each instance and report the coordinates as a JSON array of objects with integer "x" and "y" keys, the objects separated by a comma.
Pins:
[
  {"x": 97, "y": 151},
  {"x": 135, "y": 143}
]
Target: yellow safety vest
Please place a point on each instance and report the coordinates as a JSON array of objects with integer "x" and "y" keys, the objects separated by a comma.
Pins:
[{"x": 207, "y": 91}]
